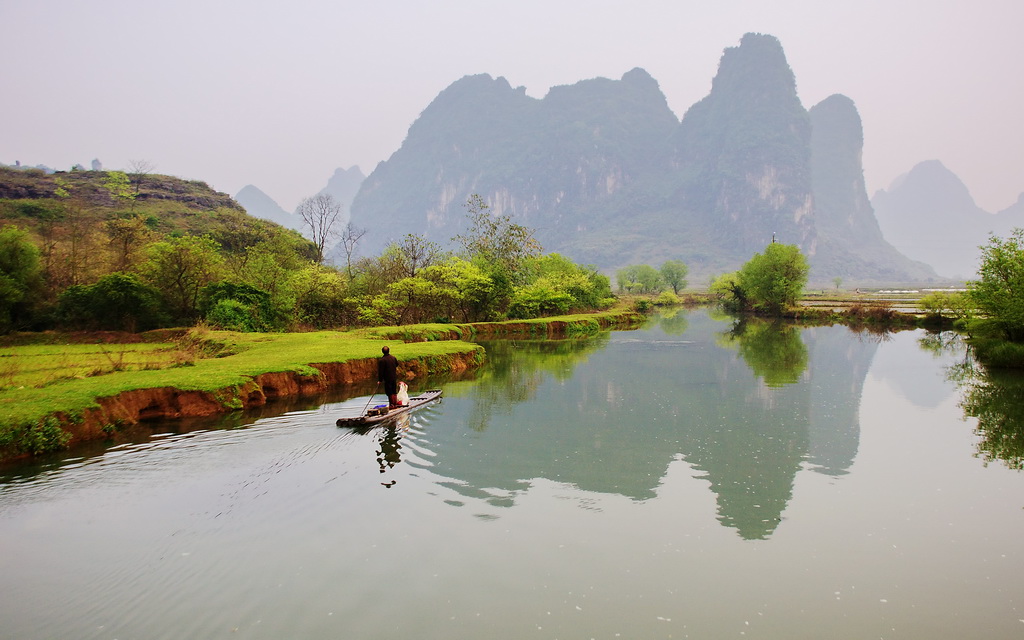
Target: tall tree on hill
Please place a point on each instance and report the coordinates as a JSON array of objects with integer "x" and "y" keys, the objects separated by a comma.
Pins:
[{"x": 320, "y": 213}]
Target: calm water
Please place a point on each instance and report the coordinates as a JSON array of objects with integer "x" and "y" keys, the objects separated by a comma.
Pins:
[{"x": 690, "y": 480}]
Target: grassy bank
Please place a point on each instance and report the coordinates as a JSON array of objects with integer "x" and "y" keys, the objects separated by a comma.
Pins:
[
  {"x": 49, "y": 392},
  {"x": 59, "y": 387}
]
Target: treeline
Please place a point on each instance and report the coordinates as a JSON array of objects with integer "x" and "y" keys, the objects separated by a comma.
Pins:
[
  {"x": 643, "y": 279},
  {"x": 105, "y": 254}
]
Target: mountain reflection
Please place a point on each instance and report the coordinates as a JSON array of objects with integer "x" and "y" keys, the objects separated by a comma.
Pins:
[{"x": 610, "y": 414}]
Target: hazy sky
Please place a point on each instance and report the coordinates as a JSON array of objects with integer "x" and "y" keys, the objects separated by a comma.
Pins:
[{"x": 279, "y": 94}]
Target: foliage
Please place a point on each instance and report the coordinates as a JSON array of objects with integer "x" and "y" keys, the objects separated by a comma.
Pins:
[
  {"x": 495, "y": 240},
  {"x": 999, "y": 291},
  {"x": 666, "y": 299},
  {"x": 774, "y": 280},
  {"x": 119, "y": 187},
  {"x": 238, "y": 307},
  {"x": 639, "y": 278},
  {"x": 537, "y": 299},
  {"x": 20, "y": 278},
  {"x": 947, "y": 304},
  {"x": 321, "y": 299},
  {"x": 179, "y": 268},
  {"x": 586, "y": 288},
  {"x": 119, "y": 302},
  {"x": 674, "y": 272},
  {"x": 34, "y": 436},
  {"x": 727, "y": 290}
]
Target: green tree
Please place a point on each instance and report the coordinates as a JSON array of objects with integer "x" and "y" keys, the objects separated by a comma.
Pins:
[
  {"x": 998, "y": 292},
  {"x": 639, "y": 278},
  {"x": 674, "y": 273},
  {"x": 726, "y": 288},
  {"x": 238, "y": 307},
  {"x": 119, "y": 186},
  {"x": 495, "y": 240},
  {"x": 127, "y": 237},
  {"x": 116, "y": 302},
  {"x": 321, "y": 298},
  {"x": 179, "y": 268},
  {"x": 21, "y": 280},
  {"x": 774, "y": 280}
]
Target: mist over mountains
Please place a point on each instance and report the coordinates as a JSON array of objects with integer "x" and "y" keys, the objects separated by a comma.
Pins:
[
  {"x": 929, "y": 215},
  {"x": 608, "y": 175}
]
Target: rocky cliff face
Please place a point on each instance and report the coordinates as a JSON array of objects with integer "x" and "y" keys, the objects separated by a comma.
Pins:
[
  {"x": 852, "y": 242},
  {"x": 746, "y": 151},
  {"x": 606, "y": 173}
]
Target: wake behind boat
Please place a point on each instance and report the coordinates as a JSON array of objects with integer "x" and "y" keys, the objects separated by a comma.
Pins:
[{"x": 382, "y": 413}]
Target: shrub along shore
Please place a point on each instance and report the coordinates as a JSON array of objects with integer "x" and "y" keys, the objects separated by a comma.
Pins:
[{"x": 55, "y": 392}]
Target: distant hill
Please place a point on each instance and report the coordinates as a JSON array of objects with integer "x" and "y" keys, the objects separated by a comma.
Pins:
[
  {"x": 608, "y": 175},
  {"x": 929, "y": 215},
  {"x": 260, "y": 205},
  {"x": 342, "y": 185},
  {"x": 852, "y": 244}
]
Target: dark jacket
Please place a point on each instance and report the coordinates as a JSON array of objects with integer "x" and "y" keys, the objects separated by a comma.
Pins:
[{"x": 387, "y": 372}]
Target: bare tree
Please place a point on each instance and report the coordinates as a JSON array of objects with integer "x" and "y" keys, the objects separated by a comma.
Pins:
[
  {"x": 418, "y": 253},
  {"x": 320, "y": 213},
  {"x": 137, "y": 172},
  {"x": 350, "y": 237}
]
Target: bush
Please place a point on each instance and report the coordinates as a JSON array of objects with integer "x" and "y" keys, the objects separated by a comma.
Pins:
[
  {"x": 232, "y": 315},
  {"x": 666, "y": 299},
  {"x": 538, "y": 299},
  {"x": 999, "y": 292},
  {"x": 116, "y": 302},
  {"x": 238, "y": 307}
]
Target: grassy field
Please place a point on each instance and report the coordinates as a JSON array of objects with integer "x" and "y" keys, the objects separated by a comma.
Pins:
[{"x": 39, "y": 380}]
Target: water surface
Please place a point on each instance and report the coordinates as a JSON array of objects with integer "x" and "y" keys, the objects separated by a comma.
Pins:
[{"x": 696, "y": 478}]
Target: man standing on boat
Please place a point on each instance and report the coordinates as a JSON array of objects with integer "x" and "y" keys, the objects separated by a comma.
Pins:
[{"x": 387, "y": 372}]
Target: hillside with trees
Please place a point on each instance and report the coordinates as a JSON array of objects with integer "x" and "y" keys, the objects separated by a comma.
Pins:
[{"x": 106, "y": 250}]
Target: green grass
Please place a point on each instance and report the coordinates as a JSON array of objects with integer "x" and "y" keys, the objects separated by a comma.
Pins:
[
  {"x": 43, "y": 365},
  {"x": 56, "y": 382}
]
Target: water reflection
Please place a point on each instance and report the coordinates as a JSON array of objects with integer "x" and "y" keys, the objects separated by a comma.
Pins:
[
  {"x": 772, "y": 349},
  {"x": 996, "y": 399},
  {"x": 610, "y": 415}
]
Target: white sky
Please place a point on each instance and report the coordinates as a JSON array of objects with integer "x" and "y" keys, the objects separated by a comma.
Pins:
[{"x": 280, "y": 94}]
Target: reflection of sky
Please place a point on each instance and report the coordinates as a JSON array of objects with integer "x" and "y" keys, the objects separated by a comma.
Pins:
[{"x": 914, "y": 373}]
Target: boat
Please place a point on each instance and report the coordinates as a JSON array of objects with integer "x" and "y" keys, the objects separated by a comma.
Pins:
[{"x": 381, "y": 413}]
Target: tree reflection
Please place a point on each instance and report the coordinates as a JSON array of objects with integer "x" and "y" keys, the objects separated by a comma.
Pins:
[
  {"x": 516, "y": 368},
  {"x": 996, "y": 399},
  {"x": 773, "y": 350},
  {"x": 674, "y": 322}
]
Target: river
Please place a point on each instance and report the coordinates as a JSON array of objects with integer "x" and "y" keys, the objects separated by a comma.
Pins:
[{"x": 696, "y": 478}]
